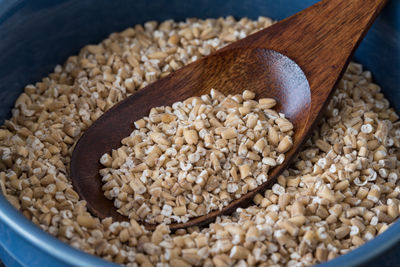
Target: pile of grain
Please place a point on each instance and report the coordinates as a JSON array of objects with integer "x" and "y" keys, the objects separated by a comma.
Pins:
[{"x": 341, "y": 192}]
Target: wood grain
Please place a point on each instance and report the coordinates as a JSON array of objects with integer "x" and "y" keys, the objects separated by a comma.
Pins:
[{"x": 297, "y": 61}]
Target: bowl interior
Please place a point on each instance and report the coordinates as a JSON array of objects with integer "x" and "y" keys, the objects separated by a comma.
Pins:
[{"x": 37, "y": 35}]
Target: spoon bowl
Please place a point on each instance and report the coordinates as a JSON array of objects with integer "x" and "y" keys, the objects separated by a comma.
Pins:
[
  {"x": 265, "y": 72},
  {"x": 297, "y": 61}
]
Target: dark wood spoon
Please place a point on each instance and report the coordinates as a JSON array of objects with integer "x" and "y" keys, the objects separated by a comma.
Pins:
[{"x": 297, "y": 61}]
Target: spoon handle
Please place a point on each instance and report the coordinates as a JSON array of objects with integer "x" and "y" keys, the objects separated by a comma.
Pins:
[{"x": 321, "y": 40}]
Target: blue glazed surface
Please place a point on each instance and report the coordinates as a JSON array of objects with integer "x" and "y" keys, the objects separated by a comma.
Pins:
[
  {"x": 24, "y": 244},
  {"x": 37, "y": 35}
]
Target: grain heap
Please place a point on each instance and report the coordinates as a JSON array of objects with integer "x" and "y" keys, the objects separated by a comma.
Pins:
[
  {"x": 183, "y": 161},
  {"x": 342, "y": 191}
]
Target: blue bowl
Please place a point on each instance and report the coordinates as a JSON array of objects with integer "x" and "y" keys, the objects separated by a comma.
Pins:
[{"x": 37, "y": 35}]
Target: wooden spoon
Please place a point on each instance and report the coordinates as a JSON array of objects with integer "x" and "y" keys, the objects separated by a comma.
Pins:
[{"x": 297, "y": 61}]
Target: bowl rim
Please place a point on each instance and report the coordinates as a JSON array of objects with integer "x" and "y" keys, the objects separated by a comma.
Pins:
[
  {"x": 31, "y": 233},
  {"x": 25, "y": 229},
  {"x": 370, "y": 250},
  {"x": 47, "y": 243}
]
